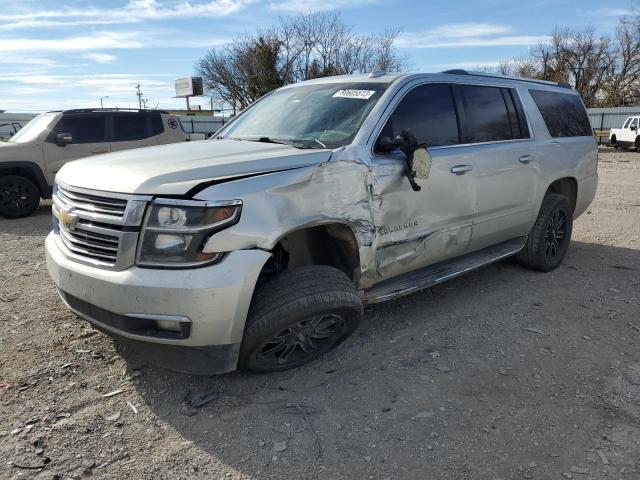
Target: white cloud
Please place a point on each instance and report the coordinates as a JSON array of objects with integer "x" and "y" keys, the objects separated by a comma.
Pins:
[
  {"x": 97, "y": 41},
  {"x": 468, "y": 29},
  {"x": 467, "y": 35},
  {"x": 134, "y": 10},
  {"x": 306, "y": 6},
  {"x": 19, "y": 24},
  {"x": 101, "y": 57}
]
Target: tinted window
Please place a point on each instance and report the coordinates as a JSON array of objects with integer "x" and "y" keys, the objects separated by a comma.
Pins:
[
  {"x": 429, "y": 113},
  {"x": 485, "y": 118},
  {"x": 634, "y": 123},
  {"x": 519, "y": 126},
  {"x": 156, "y": 124},
  {"x": 626, "y": 123},
  {"x": 563, "y": 113},
  {"x": 84, "y": 128},
  {"x": 129, "y": 127}
]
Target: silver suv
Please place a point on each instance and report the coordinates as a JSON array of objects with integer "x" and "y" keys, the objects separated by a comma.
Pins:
[
  {"x": 259, "y": 248},
  {"x": 31, "y": 158}
]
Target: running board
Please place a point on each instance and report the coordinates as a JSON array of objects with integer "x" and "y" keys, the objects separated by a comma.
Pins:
[{"x": 440, "y": 272}]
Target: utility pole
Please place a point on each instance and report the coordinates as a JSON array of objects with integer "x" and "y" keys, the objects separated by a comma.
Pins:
[
  {"x": 101, "y": 99},
  {"x": 139, "y": 94}
]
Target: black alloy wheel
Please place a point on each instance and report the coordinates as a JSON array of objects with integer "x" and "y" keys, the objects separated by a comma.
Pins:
[
  {"x": 302, "y": 341},
  {"x": 19, "y": 196}
]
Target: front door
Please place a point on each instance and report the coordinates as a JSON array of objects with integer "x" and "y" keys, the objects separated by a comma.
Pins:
[
  {"x": 89, "y": 137},
  {"x": 415, "y": 229}
]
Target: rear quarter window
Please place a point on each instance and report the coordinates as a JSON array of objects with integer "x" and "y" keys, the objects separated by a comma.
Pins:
[
  {"x": 130, "y": 127},
  {"x": 563, "y": 113}
]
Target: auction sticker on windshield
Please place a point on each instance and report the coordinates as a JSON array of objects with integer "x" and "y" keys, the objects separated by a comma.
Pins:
[{"x": 362, "y": 94}]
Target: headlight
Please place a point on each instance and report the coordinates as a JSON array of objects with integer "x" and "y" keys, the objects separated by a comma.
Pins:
[{"x": 175, "y": 231}]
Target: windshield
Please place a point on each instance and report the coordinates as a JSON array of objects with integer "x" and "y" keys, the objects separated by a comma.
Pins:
[
  {"x": 32, "y": 129},
  {"x": 309, "y": 116}
]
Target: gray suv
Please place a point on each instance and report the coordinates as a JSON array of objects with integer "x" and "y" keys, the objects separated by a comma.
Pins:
[{"x": 258, "y": 249}]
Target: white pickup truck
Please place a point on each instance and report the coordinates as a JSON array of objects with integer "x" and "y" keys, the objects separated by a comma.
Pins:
[{"x": 627, "y": 136}]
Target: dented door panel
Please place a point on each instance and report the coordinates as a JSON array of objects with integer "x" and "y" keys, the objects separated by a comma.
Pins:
[{"x": 415, "y": 229}]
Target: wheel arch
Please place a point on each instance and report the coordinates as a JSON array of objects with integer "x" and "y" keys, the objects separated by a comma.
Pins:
[
  {"x": 567, "y": 186},
  {"x": 331, "y": 242},
  {"x": 30, "y": 170}
]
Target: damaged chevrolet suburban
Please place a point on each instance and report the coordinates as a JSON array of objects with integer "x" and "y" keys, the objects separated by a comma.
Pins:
[{"x": 258, "y": 249}]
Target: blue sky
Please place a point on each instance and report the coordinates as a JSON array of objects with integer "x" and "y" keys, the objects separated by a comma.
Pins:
[{"x": 60, "y": 54}]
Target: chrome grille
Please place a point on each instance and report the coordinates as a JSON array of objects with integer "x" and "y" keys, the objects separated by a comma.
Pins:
[
  {"x": 92, "y": 203},
  {"x": 91, "y": 245},
  {"x": 98, "y": 228}
]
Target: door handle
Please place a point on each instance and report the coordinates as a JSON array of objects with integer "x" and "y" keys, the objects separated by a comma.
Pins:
[
  {"x": 555, "y": 142},
  {"x": 99, "y": 151},
  {"x": 461, "y": 169},
  {"x": 525, "y": 159}
]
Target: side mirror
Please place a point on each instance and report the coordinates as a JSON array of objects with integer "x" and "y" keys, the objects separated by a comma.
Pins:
[
  {"x": 418, "y": 157},
  {"x": 64, "y": 139},
  {"x": 421, "y": 162},
  {"x": 633, "y": 128}
]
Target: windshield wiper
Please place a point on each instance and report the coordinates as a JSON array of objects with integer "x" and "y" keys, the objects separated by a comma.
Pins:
[{"x": 278, "y": 141}]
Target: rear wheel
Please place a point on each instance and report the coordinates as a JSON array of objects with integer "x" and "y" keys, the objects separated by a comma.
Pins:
[
  {"x": 297, "y": 316},
  {"x": 19, "y": 196},
  {"x": 549, "y": 238},
  {"x": 614, "y": 142}
]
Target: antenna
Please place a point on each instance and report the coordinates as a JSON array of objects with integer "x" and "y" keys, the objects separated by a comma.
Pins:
[{"x": 139, "y": 95}]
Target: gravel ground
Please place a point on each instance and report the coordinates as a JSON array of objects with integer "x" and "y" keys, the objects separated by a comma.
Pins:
[{"x": 504, "y": 373}]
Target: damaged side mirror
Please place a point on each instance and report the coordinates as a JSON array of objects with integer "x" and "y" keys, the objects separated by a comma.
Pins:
[{"x": 418, "y": 157}]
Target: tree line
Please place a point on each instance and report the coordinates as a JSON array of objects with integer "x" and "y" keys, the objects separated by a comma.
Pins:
[
  {"x": 297, "y": 48},
  {"x": 605, "y": 69}
]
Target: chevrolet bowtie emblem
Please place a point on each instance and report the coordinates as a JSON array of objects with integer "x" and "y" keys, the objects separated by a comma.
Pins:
[{"x": 67, "y": 219}]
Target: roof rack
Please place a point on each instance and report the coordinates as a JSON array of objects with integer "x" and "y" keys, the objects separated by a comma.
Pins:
[
  {"x": 458, "y": 71},
  {"x": 114, "y": 109}
]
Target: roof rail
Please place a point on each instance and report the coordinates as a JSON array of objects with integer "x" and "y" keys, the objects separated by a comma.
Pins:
[
  {"x": 114, "y": 109},
  {"x": 458, "y": 71}
]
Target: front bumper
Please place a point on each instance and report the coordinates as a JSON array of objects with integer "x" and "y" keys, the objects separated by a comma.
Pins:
[{"x": 212, "y": 301}]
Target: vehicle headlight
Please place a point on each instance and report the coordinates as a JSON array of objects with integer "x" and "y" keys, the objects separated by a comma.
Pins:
[{"x": 175, "y": 231}]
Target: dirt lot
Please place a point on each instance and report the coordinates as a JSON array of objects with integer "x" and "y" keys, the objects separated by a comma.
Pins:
[{"x": 504, "y": 373}]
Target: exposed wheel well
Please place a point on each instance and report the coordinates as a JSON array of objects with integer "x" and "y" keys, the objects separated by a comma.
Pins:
[
  {"x": 331, "y": 244},
  {"x": 568, "y": 187}
]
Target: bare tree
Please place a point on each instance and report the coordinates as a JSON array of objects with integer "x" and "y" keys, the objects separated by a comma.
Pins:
[{"x": 298, "y": 48}]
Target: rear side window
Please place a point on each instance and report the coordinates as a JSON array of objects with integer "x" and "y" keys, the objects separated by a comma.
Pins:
[
  {"x": 427, "y": 111},
  {"x": 486, "y": 117},
  {"x": 84, "y": 128},
  {"x": 130, "y": 127},
  {"x": 563, "y": 113},
  {"x": 156, "y": 124}
]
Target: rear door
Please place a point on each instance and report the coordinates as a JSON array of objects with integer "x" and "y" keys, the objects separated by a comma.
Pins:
[
  {"x": 501, "y": 156},
  {"x": 131, "y": 130},
  {"x": 89, "y": 137}
]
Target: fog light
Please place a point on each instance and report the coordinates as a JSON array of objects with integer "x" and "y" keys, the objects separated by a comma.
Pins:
[{"x": 169, "y": 325}]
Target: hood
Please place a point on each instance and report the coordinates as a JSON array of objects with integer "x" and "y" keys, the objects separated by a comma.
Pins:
[{"x": 177, "y": 168}]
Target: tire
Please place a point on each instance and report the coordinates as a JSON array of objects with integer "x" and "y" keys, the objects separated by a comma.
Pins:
[
  {"x": 614, "y": 142},
  {"x": 19, "y": 196},
  {"x": 297, "y": 316},
  {"x": 545, "y": 249}
]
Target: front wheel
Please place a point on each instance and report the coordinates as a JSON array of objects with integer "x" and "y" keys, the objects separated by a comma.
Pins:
[
  {"x": 297, "y": 316},
  {"x": 549, "y": 238},
  {"x": 19, "y": 196}
]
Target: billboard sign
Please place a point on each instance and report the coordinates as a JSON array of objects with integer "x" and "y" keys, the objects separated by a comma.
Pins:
[{"x": 188, "y": 87}]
